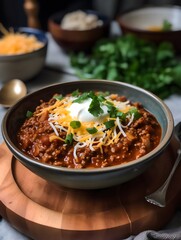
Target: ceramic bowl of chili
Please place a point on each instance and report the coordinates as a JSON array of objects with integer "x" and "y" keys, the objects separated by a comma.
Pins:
[
  {"x": 87, "y": 178},
  {"x": 154, "y": 23}
]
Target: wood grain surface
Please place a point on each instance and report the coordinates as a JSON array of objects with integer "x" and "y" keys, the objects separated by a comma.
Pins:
[{"x": 43, "y": 210}]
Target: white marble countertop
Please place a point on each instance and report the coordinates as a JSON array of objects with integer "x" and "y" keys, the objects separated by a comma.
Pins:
[{"x": 59, "y": 61}]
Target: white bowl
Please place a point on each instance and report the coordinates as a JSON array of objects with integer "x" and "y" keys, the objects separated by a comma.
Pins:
[{"x": 140, "y": 22}]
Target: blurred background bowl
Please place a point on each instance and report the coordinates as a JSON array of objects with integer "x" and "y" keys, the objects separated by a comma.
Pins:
[
  {"x": 148, "y": 23},
  {"x": 77, "y": 40},
  {"x": 24, "y": 66},
  {"x": 87, "y": 178}
]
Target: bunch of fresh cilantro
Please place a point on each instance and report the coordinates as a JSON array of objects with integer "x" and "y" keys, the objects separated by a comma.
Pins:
[{"x": 132, "y": 60}]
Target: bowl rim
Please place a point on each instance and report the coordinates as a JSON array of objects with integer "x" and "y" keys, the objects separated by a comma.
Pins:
[
  {"x": 123, "y": 25},
  {"x": 31, "y": 31},
  {"x": 162, "y": 145}
]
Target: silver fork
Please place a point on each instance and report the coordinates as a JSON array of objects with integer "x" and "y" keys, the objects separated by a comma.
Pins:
[{"x": 158, "y": 197}]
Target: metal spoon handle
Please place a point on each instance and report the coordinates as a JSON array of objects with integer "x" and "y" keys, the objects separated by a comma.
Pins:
[
  {"x": 178, "y": 135},
  {"x": 166, "y": 183},
  {"x": 159, "y": 196}
]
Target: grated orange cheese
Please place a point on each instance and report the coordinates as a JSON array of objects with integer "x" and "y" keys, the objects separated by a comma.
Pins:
[
  {"x": 60, "y": 118},
  {"x": 18, "y": 43}
]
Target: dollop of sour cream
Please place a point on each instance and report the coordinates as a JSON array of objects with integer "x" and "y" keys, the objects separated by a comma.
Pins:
[{"x": 80, "y": 112}]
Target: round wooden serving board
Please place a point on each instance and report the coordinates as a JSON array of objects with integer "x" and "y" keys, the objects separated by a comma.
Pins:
[{"x": 43, "y": 210}]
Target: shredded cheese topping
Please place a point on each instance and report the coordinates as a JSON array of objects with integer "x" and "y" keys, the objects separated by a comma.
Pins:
[
  {"x": 60, "y": 117},
  {"x": 18, "y": 43}
]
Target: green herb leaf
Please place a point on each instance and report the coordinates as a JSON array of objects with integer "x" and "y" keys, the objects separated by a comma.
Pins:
[
  {"x": 112, "y": 110},
  {"x": 167, "y": 26},
  {"x": 101, "y": 98},
  {"x": 29, "y": 114},
  {"x": 58, "y": 97},
  {"x": 109, "y": 124},
  {"x": 75, "y": 93},
  {"x": 69, "y": 139},
  {"x": 121, "y": 115},
  {"x": 94, "y": 107},
  {"x": 75, "y": 124},
  {"x": 84, "y": 96},
  {"x": 134, "y": 111},
  {"x": 132, "y": 60},
  {"x": 91, "y": 130}
]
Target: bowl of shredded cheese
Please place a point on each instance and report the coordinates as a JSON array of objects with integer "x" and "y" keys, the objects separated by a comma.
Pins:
[{"x": 22, "y": 53}]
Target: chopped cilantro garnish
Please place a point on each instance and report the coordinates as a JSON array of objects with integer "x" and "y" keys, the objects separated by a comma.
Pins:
[
  {"x": 121, "y": 115},
  {"x": 95, "y": 108},
  {"x": 58, "y": 97},
  {"x": 134, "y": 111},
  {"x": 109, "y": 124},
  {"x": 101, "y": 98},
  {"x": 76, "y": 93},
  {"x": 112, "y": 111},
  {"x": 29, "y": 114},
  {"x": 84, "y": 97},
  {"x": 167, "y": 26},
  {"x": 91, "y": 130},
  {"x": 75, "y": 124},
  {"x": 69, "y": 139}
]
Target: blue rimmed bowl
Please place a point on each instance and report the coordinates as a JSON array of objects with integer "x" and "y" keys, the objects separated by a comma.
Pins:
[{"x": 24, "y": 66}]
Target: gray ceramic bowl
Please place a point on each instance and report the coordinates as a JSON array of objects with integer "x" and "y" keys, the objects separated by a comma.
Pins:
[
  {"x": 24, "y": 66},
  {"x": 87, "y": 178}
]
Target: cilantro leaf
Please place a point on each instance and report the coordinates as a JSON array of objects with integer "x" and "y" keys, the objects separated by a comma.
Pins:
[
  {"x": 109, "y": 124},
  {"x": 58, "y": 97},
  {"x": 112, "y": 110},
  {"x": 166, "y": 26},
  {"x": 134, "y": 111},
  {"x": 84, "y": 96},
  {"x": 75, "y": 93},
  {"x": 94, "y": 107},
  {"x": 132, "y": 60}
]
